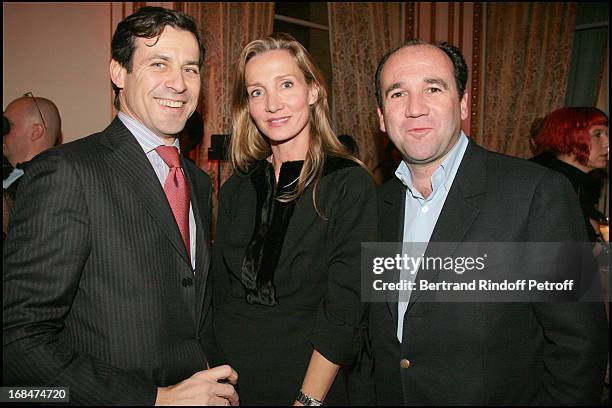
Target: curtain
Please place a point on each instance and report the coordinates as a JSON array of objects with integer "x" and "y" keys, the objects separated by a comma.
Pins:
[
  {"x": 603, "y": 93},
  {"x": 528, "y": 51},
  {"x": 588, "y": 59},
  {"x": 360, "y": 34},
  {"x": 226, "y": 29}
]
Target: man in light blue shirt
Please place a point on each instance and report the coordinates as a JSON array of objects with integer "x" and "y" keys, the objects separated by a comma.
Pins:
[
  {"x": 449, "y": 190},
  {"x": 421, "y": 213},
  {"x": 35, "y": 125}
]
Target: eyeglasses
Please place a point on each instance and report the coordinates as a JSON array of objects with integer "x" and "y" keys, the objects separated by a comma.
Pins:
[{"x": 30, "y": 94}]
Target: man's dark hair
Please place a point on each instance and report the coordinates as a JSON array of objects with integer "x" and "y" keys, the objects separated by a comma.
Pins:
[
  {"x": 460, "y": 70},
  {"x": 148, "y": 22}
]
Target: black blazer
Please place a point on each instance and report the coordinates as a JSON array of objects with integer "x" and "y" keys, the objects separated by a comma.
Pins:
[
  {"x": 99, "y": 293},
  {"x": 490, "y": 353}
]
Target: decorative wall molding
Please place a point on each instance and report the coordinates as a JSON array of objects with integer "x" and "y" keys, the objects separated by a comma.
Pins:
[{"x": 476, "y": 70}]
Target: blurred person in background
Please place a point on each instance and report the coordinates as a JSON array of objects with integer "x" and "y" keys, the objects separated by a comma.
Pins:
[
  {"x": 33, "y": 126},
  {"x": 574, "y": 142}
]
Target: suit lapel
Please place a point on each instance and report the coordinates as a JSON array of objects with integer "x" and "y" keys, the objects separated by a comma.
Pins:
[
  {"x": 460, "y": 209},
  {"x": 392, "y": 229},
  {"x": 132, "y": 166},
  {"x": 200, "y": 201}
]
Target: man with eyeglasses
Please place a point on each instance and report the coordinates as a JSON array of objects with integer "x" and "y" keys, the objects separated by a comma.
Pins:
[{"x": 34, "y": 126}]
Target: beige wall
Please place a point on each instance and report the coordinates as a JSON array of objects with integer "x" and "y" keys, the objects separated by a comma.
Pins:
[{"x": 60, "y": 51}]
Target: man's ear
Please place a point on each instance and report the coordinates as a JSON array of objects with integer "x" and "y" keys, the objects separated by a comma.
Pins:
[
  {"x": 38, "y": 131},
  {"x": 381, "y": 120},
  {"x": 117, "y": 74},
  {"x": 464, "y": 106}
]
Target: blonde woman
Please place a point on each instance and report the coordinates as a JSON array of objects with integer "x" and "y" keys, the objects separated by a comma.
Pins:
[{"x": 286, "y": 267}]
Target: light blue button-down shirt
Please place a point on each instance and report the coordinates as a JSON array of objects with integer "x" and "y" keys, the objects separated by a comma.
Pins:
[
  {"x": 13, "y": 177},
  {"x": 149, "y": 141},
  {"x": 421, "y": 214}
]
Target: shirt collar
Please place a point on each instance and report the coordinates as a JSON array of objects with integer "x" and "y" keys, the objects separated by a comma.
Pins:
[
  {"x": 443, "y": 175},
  {"x": 15, "y": 174},
  {"x": 148, "y": 140}
]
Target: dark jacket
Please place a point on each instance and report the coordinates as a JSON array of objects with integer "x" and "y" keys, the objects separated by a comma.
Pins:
[
  {"x": 490, "y": 353},
  {"x": 99, "y": 293}
]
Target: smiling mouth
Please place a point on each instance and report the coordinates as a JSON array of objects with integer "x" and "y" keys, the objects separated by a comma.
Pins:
[
  {"x": 170, "y": 103},
  {"x": 278, "y": 121},
  {"x": 419, "y": 131}
]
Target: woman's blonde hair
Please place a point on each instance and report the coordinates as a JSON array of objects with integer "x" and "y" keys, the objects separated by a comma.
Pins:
[{"x": 248, "y": 145}]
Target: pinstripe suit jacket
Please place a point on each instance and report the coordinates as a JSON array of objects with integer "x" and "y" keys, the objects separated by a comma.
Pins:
[{"x": 99, "y": 293}]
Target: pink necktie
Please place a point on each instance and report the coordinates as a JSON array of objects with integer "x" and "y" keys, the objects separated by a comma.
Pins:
[{"x": 177, "y": 190}]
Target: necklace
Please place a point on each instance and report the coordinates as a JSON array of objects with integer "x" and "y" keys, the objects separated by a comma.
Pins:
[
  {"x": 296, "y": 179},
  {"x": 271, "y": 161}
]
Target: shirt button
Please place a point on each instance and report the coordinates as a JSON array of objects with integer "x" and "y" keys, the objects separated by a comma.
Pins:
[
  {"x": 425, "y": 209},
  {"x": 404, "y": 363},
  {"x": 187, "y": 282}
]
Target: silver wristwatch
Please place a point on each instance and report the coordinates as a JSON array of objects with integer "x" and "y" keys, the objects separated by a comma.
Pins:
[{"x": 307, "y": 400}]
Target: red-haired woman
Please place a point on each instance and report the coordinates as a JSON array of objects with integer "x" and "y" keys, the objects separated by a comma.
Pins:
[{"x": 574, "y": 141}]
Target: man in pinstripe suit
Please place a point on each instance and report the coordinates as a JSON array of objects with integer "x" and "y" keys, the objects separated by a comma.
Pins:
[{"x": 102, "y": 292}]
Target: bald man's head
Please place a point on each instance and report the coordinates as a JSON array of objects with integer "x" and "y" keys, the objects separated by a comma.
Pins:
[{"x": 30, "y": 134}]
